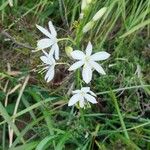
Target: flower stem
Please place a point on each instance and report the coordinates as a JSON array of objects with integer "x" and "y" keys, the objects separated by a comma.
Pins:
[
  {"x": 61, "y": 63},
  {"x": 66, "y": 39},
  {"x": 82, "y": 117},
  {"x": 78, "y": 78}
]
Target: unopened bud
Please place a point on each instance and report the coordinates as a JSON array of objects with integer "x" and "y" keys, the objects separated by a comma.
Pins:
[
  {"x": 85, "y": 4},
  {"x": 68, "y": 51},
  {"x": 88, "y": 26},
  {"x": 99, "y": 14},
  {"x": 81, "y": 15},
  {"x": 10, "y": 3}
]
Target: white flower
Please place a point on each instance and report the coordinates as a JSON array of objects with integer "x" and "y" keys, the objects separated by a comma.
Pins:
[
  {"x": 50, "y": 63},
  {"x": 50, "y": 41},
  {"x": 82, "y": 96},
  {"x": 88, "y": 62}
]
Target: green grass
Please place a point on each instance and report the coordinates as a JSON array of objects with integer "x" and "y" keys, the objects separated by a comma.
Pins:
[{"x": 37, "y": 111}]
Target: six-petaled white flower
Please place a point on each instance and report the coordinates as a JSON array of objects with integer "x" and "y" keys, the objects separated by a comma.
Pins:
[
  {"x": 50, "y": 41},
  {"x": 88, "y": 62},
  {"x": 82, "y": 96},
  {"x": 50, "y": 63}
]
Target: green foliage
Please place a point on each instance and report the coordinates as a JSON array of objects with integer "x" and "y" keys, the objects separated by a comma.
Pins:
[{"x": 43, "y": 120}]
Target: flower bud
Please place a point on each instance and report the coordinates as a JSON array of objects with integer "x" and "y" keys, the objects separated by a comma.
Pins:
[
  {"x": 10, "y": 2},
  {"x": 81, "y": 15},
  {"x": 85, "y": 4},
  {"x": 99, "y": 14},
  {"x": 68, "y": 51},
  {"x": 88, "y": 26}
]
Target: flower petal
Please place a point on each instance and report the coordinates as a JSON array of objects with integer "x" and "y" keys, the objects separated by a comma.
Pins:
[
  {"x": 44, "y": 43},
  {"x": 97, "y": 67},
  {"x": 50, "y": 74},
  {"x": 100, "y": 56},
  {"x": 46, "y": 54},
  {"x": 76, "y": 91},
  {"x": 79, "y": 55},
  {"x": 44, "y": 31},
  {"x": 53, "y": 60},
  {"x": 85, "y": 89},
  {"x": 90, "y": 98},
  {"x": 89, "y": 49},
  {"x": 81, "y": 102},
  {"x": 92, "y": 93},
  {"x": 74, "y": 99},
  {"x": 87, "y": 73},
  {"x": 52, "y": 51},
  {"x": 76, "y": 65},
  {"x": 52, "y": 29},
  {"x": 56, "y": 51},
  {"x": 45, "y": 60}
]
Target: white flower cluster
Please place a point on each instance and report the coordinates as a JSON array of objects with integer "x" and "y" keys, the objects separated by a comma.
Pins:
[{"x": 86, "y": 60}]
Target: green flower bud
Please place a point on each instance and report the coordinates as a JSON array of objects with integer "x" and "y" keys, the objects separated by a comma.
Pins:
[
  {"x": 99, "y": 14},
  {"x": 85, "y": 4},
  {"x": 10, "y": 2},
  {"x": 88, "y": 26},
  {"x": 68, "y": 51}
]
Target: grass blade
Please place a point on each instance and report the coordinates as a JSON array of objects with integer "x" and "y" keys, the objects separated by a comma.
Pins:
[
  {"x": 119, "y": 114},
  {"x": 7, "y": 118},
  {"x": 135, "y": 28}
]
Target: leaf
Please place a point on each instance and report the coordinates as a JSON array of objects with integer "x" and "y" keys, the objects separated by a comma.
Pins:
[
  {"x": 62, "y": 141},
  {"x": 137, "y": 27},
  {"x": 31, "y": 108},
  {"x": 3, "y": 5},
  {"x": 7, "y": 118},
  {"x": 28, "y": 146},
  {"x": 43, "y": 144}
]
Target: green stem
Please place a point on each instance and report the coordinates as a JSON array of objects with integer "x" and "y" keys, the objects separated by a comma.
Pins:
[
  {"x": 67, "y": 39},
  {"x": 79, "y": 85},
  {"x": 4, "y": 136},
  {"x": 82, "y": 117},
  {"x": 78, "y": 78},
  {"x": 120, "y": 115}
]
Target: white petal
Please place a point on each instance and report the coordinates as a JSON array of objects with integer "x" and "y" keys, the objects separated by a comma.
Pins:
[
  {"x": 77, "y": 55},
  {"x": 45, "y": 60},
  {"x": 76, "y": 91},
  {"x": 50, "y": 74},
  {"x": 76, "y": 65},
  {"x": 92, "y": 93},
  {"x": 44, "y": 43},
  {"x": 87, "y": 73},
  {"x": 81, "y": 102},
  {"x": 56, "y": 51},
  {"x": 46, "y": 54},
  {"x": 50, "y": 60},
  {"x": 97, "y": 67},
  {"x": 85, "y": 89},
  {"x": 74, "y": 99},
  {"x": 90, "y": 98},
  {"x": 47, "y": 74},
  {"x": 44, "y": 31},
  {"x": 89, "y": 49},
  {"x": 52, "y": 29},
  {"x": 52, "y": 51},
  {"x": 100, "y": 56}
]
